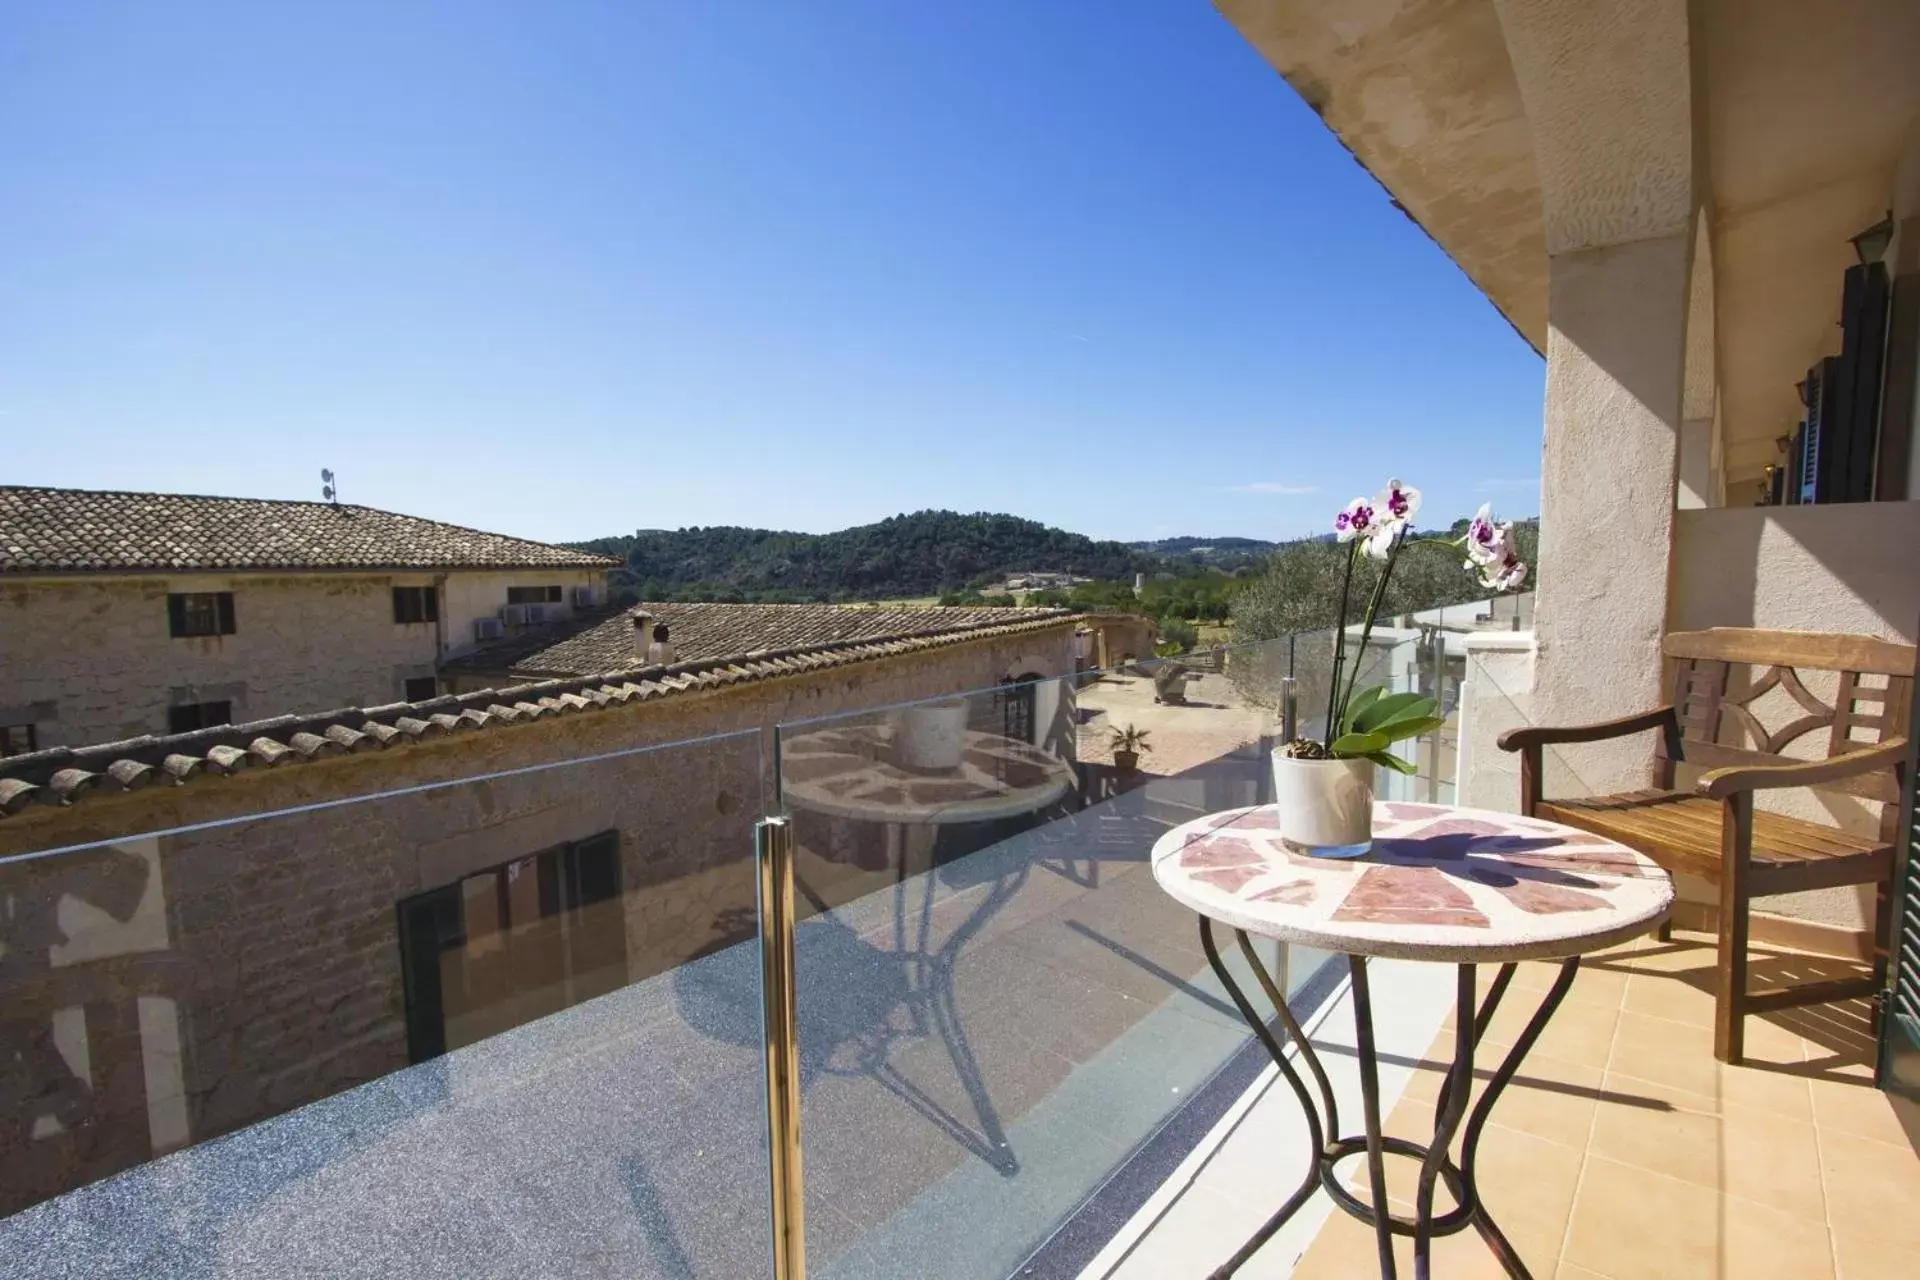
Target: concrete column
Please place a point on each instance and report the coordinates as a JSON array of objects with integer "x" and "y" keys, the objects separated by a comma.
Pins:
[
  {"x": 1696, "y": 464},
  {"x": 1615, "y": 357}
]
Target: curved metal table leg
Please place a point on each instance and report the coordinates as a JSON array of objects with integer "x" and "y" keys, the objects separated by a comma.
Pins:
[{"x": 1436, "y": 1161}]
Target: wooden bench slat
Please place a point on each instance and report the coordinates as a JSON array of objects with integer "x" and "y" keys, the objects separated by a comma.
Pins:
[
  {"x": 1682, "y": 833},
  {"x": 1824, "y": 650}
]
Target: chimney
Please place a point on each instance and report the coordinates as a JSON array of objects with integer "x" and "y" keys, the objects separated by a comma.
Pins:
[
  {"x": 660, "y": 652},
  {"x": 642, "y": 633}
]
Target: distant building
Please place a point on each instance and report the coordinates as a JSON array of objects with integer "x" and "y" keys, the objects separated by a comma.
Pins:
[{"x": 124, "y": 614}]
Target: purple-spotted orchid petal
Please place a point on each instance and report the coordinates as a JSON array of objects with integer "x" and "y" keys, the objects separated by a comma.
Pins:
[
  {"x": 1397, "y": 502},
  {"x": 1385, "y": 534},
  {"x": 1356, "y": 521},
  {"x": 1504, "y": 574},
  {"x": 1486, "y": 541}
]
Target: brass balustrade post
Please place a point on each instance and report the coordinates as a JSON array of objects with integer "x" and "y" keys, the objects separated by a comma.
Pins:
[{"x": 780, "y": 1036}]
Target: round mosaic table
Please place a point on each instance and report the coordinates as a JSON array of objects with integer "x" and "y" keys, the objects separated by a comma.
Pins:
[{"x": 1457, "y": 886}]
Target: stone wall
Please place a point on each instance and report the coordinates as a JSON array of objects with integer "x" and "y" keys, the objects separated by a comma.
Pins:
[
  {"x": 91, "y": 660},
  {"x": 165, "y": 989}
]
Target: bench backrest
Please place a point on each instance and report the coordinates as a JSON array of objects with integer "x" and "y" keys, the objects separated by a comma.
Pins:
[{"x": 1713, "y": 677}]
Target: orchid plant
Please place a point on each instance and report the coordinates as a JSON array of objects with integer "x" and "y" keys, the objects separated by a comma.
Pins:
[{"x": 1365, "y": 723}]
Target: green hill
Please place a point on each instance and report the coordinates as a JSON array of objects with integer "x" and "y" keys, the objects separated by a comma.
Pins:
[{"x": 922, "y": 554}]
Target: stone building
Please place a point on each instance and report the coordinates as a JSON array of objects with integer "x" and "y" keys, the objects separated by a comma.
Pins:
[
  {"x": 244, "y": 918},
  {"x": 124, "y": 614}
]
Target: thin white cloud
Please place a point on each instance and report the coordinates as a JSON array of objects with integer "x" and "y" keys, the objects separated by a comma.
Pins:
[
  {"x": 1496, "y": 484},
  {"x": 1272, "y": 486}
]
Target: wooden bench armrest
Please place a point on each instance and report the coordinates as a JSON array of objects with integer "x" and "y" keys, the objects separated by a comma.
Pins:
[
  {"x": 1721, "y": 783},
  {"x": 1544, "y": 735}
]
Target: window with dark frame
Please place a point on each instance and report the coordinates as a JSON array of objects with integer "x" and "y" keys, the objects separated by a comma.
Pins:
[
  {"x": 416, "y": 604},
  {"x": 17, "y": 740},
  {"x": 512, "y": 943},
  {"x": 189, "y": 716},
  {"x": 533, "y": 595},
  {"x": 422, "y": 688},
  {"x": 200, "y": 613}
]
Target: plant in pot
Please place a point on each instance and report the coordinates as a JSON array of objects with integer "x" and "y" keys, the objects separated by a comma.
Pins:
[
  {"x": 1324, "y": 787},
  {"x": 1128, "y": 743}
]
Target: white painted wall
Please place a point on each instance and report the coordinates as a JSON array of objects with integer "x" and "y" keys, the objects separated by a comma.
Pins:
[
  {"x": 479, "y": 595},
  {"x": 1844, "y": 567}
]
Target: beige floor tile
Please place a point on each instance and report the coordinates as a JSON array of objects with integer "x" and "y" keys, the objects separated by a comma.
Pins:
[
  {"x": 1526, "y": 1182},
  {"x": 1568, "y": 1271},
  {"x": 1873, "y": 1188},
  {"x": 1662, "y": 995},
  {"x": 1595, "y": 985},
  {"x": 1662, "y": 1051},
  {"x": 1549, "y": 1097},
  {"x": 1873, "y": 1255},
  {"x": 1755, "y": 1155},
  {"x": 1629, "y": 1222},
  {"x": 1665, "y": 1052},
  {"x": 1854, "y": 1106},
  {"x": 1346, "y": 1249},
  {"x": 1578, "y": 1032}
]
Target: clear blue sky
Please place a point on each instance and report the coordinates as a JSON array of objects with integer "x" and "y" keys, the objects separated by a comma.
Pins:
[{"x": 568, "y": 269}]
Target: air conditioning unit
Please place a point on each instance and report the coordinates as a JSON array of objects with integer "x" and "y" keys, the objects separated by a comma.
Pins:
[
  {"x": 488, "y": 629},
  {"x": 538, "y": 613},
  {"x": 516, "y": 615},
  {"x": 586, "y": 597}
]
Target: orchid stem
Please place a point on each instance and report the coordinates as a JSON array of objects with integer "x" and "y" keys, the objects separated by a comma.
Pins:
[
  {"x": 1366, "y": 628},
  {"x": 1339, "y": 648}
]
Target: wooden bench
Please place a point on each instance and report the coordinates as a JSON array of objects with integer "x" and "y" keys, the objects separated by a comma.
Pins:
[{"x": 1712, "y": 680}]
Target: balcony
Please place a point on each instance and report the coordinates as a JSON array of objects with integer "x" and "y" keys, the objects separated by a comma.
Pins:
[{"x": 537, "y": 1049}]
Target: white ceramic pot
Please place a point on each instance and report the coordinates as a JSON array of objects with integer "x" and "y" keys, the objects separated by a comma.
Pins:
[
  {"x": 932, "y": 736},
  {"x": 1326, "y": 806}
]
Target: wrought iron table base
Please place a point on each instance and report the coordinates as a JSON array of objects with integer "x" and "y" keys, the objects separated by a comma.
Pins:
[{"x": 1436, "y": 1163}]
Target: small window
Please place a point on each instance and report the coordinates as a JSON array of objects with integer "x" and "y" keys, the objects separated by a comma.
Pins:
[
  {"x": 200, "y": 613},
  {"x": 533, "y": 595},
  {"x": 422, "y": 688},
  {"x": 198, "y": 715},
  {"x": 17, "y": 740},
  {"x": 416, "y": 604}
]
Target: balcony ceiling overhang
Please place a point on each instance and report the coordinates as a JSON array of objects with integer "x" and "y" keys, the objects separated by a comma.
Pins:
[
  {"x": 1800, "y": 116},
  {"x": 1423, "y": 95}
]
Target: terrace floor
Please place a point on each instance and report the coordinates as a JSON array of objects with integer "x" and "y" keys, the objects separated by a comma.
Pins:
[{"x": 1622, "y": 1150}]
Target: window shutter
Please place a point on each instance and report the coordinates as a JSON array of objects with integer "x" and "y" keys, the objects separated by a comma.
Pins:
[
  {"x": 226, "y": 613},
  {"x": 430, "y": 597},
  {"x": 177, "y": 615}
]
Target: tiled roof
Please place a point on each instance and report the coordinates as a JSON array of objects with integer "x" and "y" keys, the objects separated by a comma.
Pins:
[
  {"x": 603, "y": 640},
  {"x": 88, "y": 531},
  {"x": 63, "y": 775}
]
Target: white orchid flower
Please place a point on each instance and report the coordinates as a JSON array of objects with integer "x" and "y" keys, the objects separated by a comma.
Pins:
[
  {"x": 1505, "y": 573},
  {"x": 1486, "y": 541},
  {"x": 1385, "y": 534},
  {"x": 1397, "y": 502},
  {"x": 1356, "y": 521}
]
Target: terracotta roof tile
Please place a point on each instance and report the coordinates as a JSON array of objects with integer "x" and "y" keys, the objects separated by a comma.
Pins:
[
  {"x": 65, "y": 775},
  {"x": 603, "y": 639},
  {"x": 88, "y": 531}
]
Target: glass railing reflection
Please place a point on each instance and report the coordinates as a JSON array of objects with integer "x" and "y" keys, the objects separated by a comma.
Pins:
[
  {"x": 465, "y": 1027},
  {"x": 1006, "y": 1029}
]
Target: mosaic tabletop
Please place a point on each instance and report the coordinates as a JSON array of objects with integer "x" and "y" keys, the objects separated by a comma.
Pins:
[
  {"x": 848, "y": 773},
  {"x": 1441, "y": 883}
]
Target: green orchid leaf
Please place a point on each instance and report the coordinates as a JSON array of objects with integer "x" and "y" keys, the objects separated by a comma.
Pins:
[
  {"x": 1387, "y": 760},
  {"x": 1361, "y": 701},
  {"x": 1351, "y": 745},
  {"x": 1388, "y": 708},
  {"x": 1411, "y": 727}
]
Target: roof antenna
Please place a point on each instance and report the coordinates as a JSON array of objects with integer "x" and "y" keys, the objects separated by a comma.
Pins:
[{"x": 327, "y": 489}]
